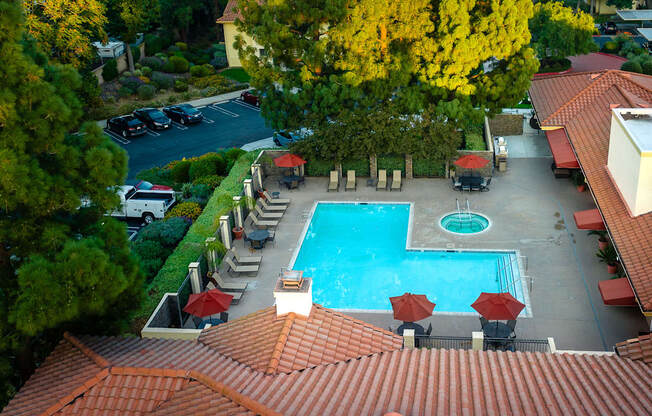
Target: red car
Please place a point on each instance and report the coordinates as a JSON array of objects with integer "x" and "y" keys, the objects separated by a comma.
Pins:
[
  {"x": 250, "y": 98},
  {"x": 147, "y": 186}
]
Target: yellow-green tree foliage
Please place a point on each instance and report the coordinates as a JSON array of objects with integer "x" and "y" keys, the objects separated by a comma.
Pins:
[
  {"x": 559, "y": 31},
  {"x": 66, "y": 28}
]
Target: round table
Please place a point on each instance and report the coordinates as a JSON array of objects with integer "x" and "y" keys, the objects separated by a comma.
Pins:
[
  {"x": 258, "y": 236},
  {"x": 496, "y": 330},
  {"x": 418, "y": 329}
]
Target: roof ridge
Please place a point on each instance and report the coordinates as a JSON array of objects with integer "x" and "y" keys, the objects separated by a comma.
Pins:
[
  {"x": 72, "y": 396},
  {"x": 352, "y": 319},
  {"x": 623, "y": 74},
  {"x": 591, "y": 85},
  {"x": 280, "y": 344},
  {"x": 86, "y": 350}
]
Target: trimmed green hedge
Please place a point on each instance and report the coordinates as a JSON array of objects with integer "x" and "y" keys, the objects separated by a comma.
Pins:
[
  {"x": 175, "y": 269},
  {"x": 429, "y": 168},
  {"x": 319, "y": 167},
  {"x": 391, "y": 163},
  {"x": 361, "y": 167}
]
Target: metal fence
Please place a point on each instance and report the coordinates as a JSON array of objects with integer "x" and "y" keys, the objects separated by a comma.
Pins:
[
  {"x": 454, "y": 343},
  {"x": 514, "y": 344}
]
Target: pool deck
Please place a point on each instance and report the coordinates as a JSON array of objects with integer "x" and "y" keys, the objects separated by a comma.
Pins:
[{"x": 530, "y": 210}]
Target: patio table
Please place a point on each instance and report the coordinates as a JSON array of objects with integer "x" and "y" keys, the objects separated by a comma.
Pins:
[
  {"x": 291, "y": 181},
  {"x": 496, "y": 330},
  {"x": 418, "y": 329},
  {"x": 258, "y": 237}
]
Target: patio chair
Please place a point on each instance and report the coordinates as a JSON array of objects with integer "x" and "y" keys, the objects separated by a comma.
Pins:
[
  {"x": 277, "y": 201},
  {"x": 350, "y": 180},
  {"x": 241, "y": 268},
  {"x": 260, "y": 223},
  {"x": 382, "y": 180},
  {"x": 218, "y": 283},
  {"x": 512, "y": 324},
  {"x": 476, "y": 183},
  {"x": 396, "y": 180},
  {"x": 483, "y": 322},
  {"x": 485, "y": 187},
  {"x": 271, "y": 237},
  {"x": 334, "y": 184},
  {"x": 269, "y": 207},
  {"x": 429, "y": 330},
  {"x": 466, "y": 183},
  {"x": 245, "y": 259},
  {"x": 267, "y": 215}
]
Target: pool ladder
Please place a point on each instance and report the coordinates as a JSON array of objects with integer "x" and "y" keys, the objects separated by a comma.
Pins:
[
  {"x": 505, "y": 274},
  {"x": 464, "y": 215}
]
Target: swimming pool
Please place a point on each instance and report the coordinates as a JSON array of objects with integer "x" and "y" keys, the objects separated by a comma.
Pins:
[{"x": 356, "y": 254}]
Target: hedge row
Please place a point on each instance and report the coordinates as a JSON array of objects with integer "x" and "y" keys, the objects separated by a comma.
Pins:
[
  {"x": 420, "y": 167},
  {"x": 175, "y": 269},
  {"x": 391, "y": 163},
  {"x": 361, "y": 167},
  {"x": 319, "y": 167},
  {"x": 429, "y": 168}
]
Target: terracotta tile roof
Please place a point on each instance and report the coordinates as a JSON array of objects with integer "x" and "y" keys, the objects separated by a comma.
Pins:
[
  {"x": 596, "y": 61},
  {"x": 197, "y": 399},
  {"x": 636, "y": 349},
  {"x": 581, "y": 103},
  {"x": 230, "y": 12},
  {"x": 291, "y": 342}
]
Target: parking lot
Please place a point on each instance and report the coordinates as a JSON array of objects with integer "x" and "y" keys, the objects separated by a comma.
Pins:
[{"x": 230, "y": 123}]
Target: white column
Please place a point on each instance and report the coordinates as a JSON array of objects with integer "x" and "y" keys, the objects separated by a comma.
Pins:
[
  {"x": 211, "y": 255},
  {"x": 477, "y": 340},
  {"x": 408, "y": 339},
  {"x": 237, "y": 212},
  {"x": 225, "y": 231},
  {"x": 551, "y": 345},
  {"x": 195, "y": 280},
  {"x": 256, "y": 174},
  {"x": 249, "y": 191}
]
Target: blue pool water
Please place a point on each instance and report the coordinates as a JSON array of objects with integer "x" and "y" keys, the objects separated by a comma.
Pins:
[
  {"x": 357, "y": 258},
  {"x": 464, "y": 223}
]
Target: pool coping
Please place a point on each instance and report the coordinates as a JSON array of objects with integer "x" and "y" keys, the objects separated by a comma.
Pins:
[{"x": 408, "y": 247}]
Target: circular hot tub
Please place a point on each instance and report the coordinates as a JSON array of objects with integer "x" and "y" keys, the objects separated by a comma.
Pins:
[{"x": 464, "y": 223}]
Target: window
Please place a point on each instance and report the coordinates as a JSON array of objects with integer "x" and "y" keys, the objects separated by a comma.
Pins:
[{"x": 262, "y": 52}]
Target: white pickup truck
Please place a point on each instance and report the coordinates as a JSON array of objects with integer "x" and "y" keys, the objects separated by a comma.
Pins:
[{"x": 148, "y": 205}]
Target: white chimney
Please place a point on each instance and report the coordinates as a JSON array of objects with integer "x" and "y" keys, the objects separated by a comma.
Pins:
[
  {"x": 293, "y": 299},
  {"x": 630, "y": 157}
]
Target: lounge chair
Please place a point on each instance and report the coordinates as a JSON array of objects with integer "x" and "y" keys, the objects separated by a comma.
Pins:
[
  {"x": 218, "y": 283},
  {"x": 396, "y": 180},
  {"x": 350, "y": 180},
  {"x": 241, "y": 268},
  {"x": 382, "y": 180},
  {"x": 485, "y": 186},
  {"x": 245, "y": 259},
  {"x": 270, "y": 207},
  {"x": 267, "y": 215},
  {"x": 260, "y": 223},
  {"x": 277, "y": 201},
  {"x": 334, "y": 184}
]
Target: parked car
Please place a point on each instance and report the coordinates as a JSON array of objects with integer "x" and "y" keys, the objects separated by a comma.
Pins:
[
  {"x": 148, "y": 205},
  {"x": 127, "y": 126},
  {"x": 608, "y": 28},
  {"x": 183, "y": 113},
  {"x": 153, "y": 118},
  {"x": 250, "y": 98},
  {"x": 284, "y": 138},
  {"x": 147, "y": 186}
]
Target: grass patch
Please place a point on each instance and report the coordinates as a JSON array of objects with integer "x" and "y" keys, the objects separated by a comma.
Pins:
[{"x": 236, "y": 74}]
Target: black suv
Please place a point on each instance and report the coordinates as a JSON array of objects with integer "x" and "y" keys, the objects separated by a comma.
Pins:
[
  {"x": 184, "y": 114},
  {"x": 127, "y": 126},
  {"x": 153, "y": 118},
  {"x": 608, "y": 28}
]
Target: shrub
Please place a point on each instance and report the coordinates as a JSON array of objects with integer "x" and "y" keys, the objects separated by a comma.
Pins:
[
  {"x": 391, "y": 162},
  {"x": 153, "y": 44},
  {"x": 180, "y": 85},
  {"x": 554, "y": 65},
  {"x": 319, "y": 167},
  {"x": 147, "y": 71},
  {"x": 216, "y": 81},
  {"x": 179, "y": 64},
  {"x": 152, "y": 62},
  {"x": 110, "y": 70},
  {"x": 173, "y": 50},
  {"x": 202, "y": 167},
  {"x": 611, "y": 46},
  {"x": 474, "y": 141},
  {"x": 233, "y": 154},
  {"x": 146, "y": 92},
  {"x": 168, "y": 232},
  {"x": 632, "y": 66},
  {"x": 212, "y": 181},
  {"x": 180, "y": 171},
  {"x": 361, "y": 167},
  {"x": 135, "y": 53},
  {"x": 90, "y": 91},
  {"x": 190, "y": 210},
  {"x": 200, "y": 191},
  {"x": 149, "y": 248},
  {"x": 181, "y": 45},
  {"x": 209, "y": 91},
  {"x": 237, "y": 74},
  {"x": 630, "y": 49},
  {"x": 647, "y": 66},
  {"x": 162, "y": 81},
  {"x": 429, "y": 168},
  {"x": 127, "y": 108},
  {"x": 137, "y": 73},
  {"x": 159, "y": 176},
  {"x": 201, "y": 70},
  {"x": 124, "y": 92},
  {"x": 219, "y": 62},
  {"x": 131, "y": 82}
]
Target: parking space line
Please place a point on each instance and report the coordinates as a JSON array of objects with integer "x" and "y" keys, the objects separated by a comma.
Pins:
[
  {"x": 179, "y": 126},
  {"x": 224, "y": 111},
  {"x": 207, "y": 120},
  {"x": 200, "y": 107},
  {"x": 246, "y": 105},
  {"x": 116, "y": 137},
  {"x": 220, "y": 102},
  {"x": 153, "y": 133}
]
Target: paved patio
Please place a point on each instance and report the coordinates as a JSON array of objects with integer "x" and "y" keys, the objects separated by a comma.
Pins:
[{"x": 531, "y": 211}]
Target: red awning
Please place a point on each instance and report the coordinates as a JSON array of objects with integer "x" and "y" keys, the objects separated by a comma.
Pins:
[
  {"x": 589, "y": 219},
  {"x": 561, "y": 149},
  {"x": 617, "y": 292}
]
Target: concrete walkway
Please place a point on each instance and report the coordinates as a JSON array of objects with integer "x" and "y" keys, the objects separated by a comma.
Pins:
[
  {"x": 531, "y": 211},
  {"x": 532, "y": 143}
]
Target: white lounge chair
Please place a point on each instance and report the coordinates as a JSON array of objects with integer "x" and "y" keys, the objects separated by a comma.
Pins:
[
  {"x": 396, "y": 180},
  {"x": 245, "y": 259},
  {"x": 276, "y": 201},
  {"x": 267, "y": 215},
  {"x": 350, "y": 180},
  {"x": 260, "y": 223},
  {"x": 382, "y": 180},
  {"x": 241, "y": 268},
  {"x": 334, "y": 184},
  {"x": 218, "y": 283},
  {"x": 270, "y": 207}
]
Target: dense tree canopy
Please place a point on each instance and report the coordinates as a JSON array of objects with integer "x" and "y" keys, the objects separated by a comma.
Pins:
[
  {"x": 559, "y": 31},
  {"x": 61, "y": 259},
  {"x": 327, "y": 56},
  {"x": 620, "y": 4},
  {"x": 66, "y": 28}
]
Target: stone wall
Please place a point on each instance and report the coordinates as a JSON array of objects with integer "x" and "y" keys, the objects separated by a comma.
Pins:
[{"x": 506, "y": 125}]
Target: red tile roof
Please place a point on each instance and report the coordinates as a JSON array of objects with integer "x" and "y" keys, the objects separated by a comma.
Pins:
[
  {"x": 291, "y": 342},
  {"x": 596, "y": 61},
  {"x": 230, "y": 12},
  {"x": 636, "y": 349},
  {"x": 581, "y": 103}
]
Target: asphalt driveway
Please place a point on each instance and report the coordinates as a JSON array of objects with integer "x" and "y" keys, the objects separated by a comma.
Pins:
[{"x": 226, "y": 124}]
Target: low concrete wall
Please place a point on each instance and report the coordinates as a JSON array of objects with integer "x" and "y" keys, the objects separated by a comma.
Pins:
[{"x": 506, "y": 125}]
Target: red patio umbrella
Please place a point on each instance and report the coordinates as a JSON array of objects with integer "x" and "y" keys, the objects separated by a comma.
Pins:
[
  {"x": 471, "y": 162},
  {"x": 410, "y": 308},
  {"x": 208, "y": 303},
  {"x": 497, "y": 306},
  {"x": 288, "y": 161}
]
